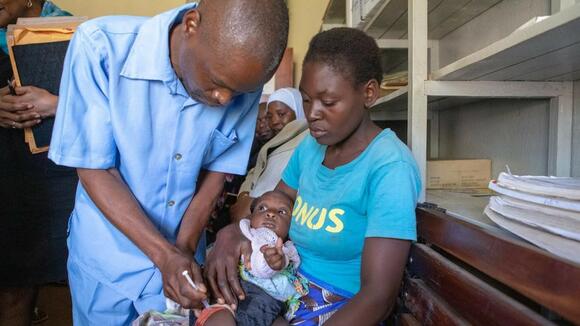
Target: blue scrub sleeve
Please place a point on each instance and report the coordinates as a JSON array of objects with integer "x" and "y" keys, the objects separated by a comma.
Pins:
[
  {"x": 238, "y": 141},
  {"x": 82, "y": 136},
  {"x": 393, "y": 192}
]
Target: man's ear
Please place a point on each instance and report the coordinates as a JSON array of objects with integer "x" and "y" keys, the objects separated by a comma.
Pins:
[
  {"x": 191, "y": 21},
  {"x": 371, "y": 89}
]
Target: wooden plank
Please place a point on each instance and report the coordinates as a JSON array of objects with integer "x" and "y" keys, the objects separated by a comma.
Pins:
[
  {"x": 391, "y": 13},
  {"x": 539, "y": 275},
  {"x": 556, "y": 32},
  {"x": 407, "y": 320},
  {"x": 444, "y": 11},
  {"x": 445, "y": 16},
  {"x": 398, "y": 28},
  {"x": 427, "y": 307},
  {"x": 545, "y": 67},
  {"x": 497, "y": 89},
  {"x": 460, "y": 17},
  {"x": 486, "y": 305},
  {"x": 572, "y": 75}
]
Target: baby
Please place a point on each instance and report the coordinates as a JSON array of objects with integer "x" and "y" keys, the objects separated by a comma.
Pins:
[{"x": 271, "y": 284}]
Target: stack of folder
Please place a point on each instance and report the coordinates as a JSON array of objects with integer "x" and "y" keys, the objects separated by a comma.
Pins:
[{"x": 543, "y": 210}]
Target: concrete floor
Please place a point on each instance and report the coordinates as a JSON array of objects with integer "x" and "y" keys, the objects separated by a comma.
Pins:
[{"x": 55, "y": 301}]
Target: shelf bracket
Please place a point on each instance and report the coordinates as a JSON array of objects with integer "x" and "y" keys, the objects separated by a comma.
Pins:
[
  {"x": 560, "y": 137},
  {"x": 559, "y": 5},
  {"x": 417, "y": 104}
]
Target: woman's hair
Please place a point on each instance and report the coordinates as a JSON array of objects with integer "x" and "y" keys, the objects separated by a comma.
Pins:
[{"x": 348, "y": 51}]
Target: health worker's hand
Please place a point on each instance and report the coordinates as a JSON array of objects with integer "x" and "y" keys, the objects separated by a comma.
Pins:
[{"x": 176, "y": 286}]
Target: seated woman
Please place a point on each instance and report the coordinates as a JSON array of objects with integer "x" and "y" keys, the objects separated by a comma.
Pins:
[
  {"x": 286, "y": 120},
  {"x": 355, "y": 188}
]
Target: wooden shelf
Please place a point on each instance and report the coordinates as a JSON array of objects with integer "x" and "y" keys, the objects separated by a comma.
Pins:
[
  {"x": 545, "y": 51},
  {"x": 464, "y": 206},
  {"x": 397, "y": 102},
  {"x": 387, "y": 19},
  {"x": 548, "y": 50}
]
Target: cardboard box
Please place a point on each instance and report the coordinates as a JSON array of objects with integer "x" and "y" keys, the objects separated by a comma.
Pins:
[{"x": 458, "y": 174}]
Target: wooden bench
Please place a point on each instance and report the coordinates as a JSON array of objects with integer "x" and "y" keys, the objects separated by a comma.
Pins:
[{"x": 460, "y": 273}]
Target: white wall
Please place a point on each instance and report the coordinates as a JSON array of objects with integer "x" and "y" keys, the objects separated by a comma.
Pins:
[{"x": 512, "y": 132}]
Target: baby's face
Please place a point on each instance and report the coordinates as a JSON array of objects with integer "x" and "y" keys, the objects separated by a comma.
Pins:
[{"x": 273, "y": 211}]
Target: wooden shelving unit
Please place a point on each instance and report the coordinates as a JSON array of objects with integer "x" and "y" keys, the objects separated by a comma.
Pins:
[
  {"x": 389, "y": 19},
  {"x": 538, "y": 61}
]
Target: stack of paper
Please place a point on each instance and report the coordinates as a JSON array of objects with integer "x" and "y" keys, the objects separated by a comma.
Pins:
[{"x": 542, "y": 210}]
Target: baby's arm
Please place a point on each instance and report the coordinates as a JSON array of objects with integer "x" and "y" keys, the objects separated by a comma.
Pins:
[{"x": 275, "y": 256}]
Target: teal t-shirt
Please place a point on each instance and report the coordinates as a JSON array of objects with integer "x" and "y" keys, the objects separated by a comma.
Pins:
[{"x": 374, "y": 195}]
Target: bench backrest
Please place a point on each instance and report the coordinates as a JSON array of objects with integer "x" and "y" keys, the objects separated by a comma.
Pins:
[{"x": 461, "y": 273}]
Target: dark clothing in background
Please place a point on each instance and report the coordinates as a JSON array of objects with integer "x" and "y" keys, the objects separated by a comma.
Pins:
[{"x": 37, "y": 199}]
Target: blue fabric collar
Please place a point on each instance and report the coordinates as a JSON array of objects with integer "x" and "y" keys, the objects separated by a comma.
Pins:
[{"x": 149, "y": 56}]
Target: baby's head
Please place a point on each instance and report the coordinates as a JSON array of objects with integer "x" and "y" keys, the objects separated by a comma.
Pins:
[{"x": 272, "y": 210}]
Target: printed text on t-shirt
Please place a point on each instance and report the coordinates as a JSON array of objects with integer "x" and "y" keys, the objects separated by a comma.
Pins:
[{"x": 315, "y": 218}]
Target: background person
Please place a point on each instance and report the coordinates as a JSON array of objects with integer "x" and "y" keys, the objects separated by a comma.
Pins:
[
  {"x": 37, "y": 196},
  {"x": 286, "y": 119}
]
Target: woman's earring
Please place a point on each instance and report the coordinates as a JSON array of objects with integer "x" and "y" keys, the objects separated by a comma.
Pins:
[{"x": 29, "y": 4}]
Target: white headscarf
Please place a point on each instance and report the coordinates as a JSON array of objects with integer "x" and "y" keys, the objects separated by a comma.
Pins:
[{"x": 292, "y": 98}]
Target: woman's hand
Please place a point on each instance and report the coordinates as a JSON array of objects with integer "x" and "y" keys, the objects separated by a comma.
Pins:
[
  {"x": 16, "y": 115},
  {"x": 222, "y": 264},
  {"x": 36, "y": 99},
  {"x": 241, "y": 209}
]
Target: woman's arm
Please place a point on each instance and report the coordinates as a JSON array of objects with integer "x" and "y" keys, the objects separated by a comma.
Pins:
[
  {"x": 241, "y": 209},
  {"x": 283, "y": 187},
  {"x": 383, "y": 263}
]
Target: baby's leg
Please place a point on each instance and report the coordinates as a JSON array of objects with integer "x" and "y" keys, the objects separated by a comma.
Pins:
[
  {"x": 221, "y": 318},
  {"x": 280, "y": 322},
  {"x": 214, "y": 315}
]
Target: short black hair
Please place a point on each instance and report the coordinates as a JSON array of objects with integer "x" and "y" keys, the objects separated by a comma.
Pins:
[
  {"x": 348, "y": 51},
  {"x": 278, "y": 192},
  {"x": 259, "y": 27}
]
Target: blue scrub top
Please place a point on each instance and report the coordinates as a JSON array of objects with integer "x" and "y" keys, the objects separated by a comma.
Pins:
[{"x": 121, "y": 105}]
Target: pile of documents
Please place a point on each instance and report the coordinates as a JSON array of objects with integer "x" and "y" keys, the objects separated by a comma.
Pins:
[{"x": 543, "y": 210}]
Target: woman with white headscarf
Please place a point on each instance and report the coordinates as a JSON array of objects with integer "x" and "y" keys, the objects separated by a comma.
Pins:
[
  {"x": 287, "y": 120},
  {"x": 284, "y": 105}
]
